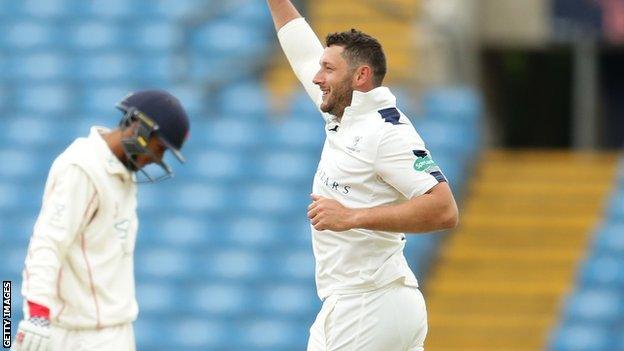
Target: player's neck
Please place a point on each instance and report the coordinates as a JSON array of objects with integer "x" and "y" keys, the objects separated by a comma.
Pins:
[{"x": 113, "y": 140}]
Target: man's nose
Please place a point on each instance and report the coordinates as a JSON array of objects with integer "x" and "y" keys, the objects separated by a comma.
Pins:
[{"x": 317, "y": 79}]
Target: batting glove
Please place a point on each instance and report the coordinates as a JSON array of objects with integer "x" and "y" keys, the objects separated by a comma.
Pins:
[{"x": 33, "y": 334}]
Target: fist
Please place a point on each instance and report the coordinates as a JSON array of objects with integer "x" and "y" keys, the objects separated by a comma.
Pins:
[{"x": 328, "y": 214}]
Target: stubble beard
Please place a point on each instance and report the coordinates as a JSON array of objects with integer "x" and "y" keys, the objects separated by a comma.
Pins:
[{"x": 339, "y": 99}]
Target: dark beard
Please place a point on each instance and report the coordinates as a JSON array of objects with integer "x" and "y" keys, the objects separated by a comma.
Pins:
[{"x": 341, "y": 99}]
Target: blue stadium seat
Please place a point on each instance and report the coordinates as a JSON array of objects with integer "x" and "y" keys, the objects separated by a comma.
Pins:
[
  {"x": 252, "y": 231},
  {"x": 452, "y": 104},
  {"x": 272, "y": 199},
  {"x": 173, "y": 10},
  {"x": 244, "y": 99},
  {"x": 603, "y": 271},
  {"x": 271, "y": 334},
  {"x": 251, "y": 11},
  {"x": 453, "y": 167},
  {"x": 582, "y": 337},
  {"x": 201, "y": 197},
  {"x": 293, "y": 264},
  {"x": 100, "y": 100},
  {"x": 4, "y": 92},
  {"x": 599, "y": 306},
  {"x": 30, "y": 34},
  {"x": 45, "y": 9},
  {"x": 152, "y": 333},
  {"x": 218, "y": 164},
  {"x": 107, "y": 9},
  {"x": 155, "y": 70},
  {"x": 104, "y": 67},
  {"x": 616, "y": 206},
  {"x": 41, "y": 66},
  {"x": 419, "y": 251},
  {"x": 244, "y": 39},
  {"x": 46, "y": 98},
  {"x": 230, "y": 134},
  {"x": 94, "y": 35},
  {"x": 156, "y": 36},
  {"x": 213, "y": 299},
  {"x": 407, "y": 102},
  {"x": 16, "y": 227},
  {"x": 21, "y": 165},
  {"x": 198, "y": 334},
  {"x": 163, "y": 263},
  {"x": 609, "y": 238},
  {"x": 150, "y": 197},
  {"x": 304, "y": 134},
  {"x": 233, "y": 264},
  {"x": 302, "y": 106},
  {"x": 176, "y": 230},
  {"x": 32, "y": 131},
  {"x": 191, "y": 98},
  {"x": 286, "y": 166},
  {"x": 22, "y": 197},
  {"x": 288, "y": 300},
  {"x": 157, "y": 297},
  {"x": 441, "y": 136}
]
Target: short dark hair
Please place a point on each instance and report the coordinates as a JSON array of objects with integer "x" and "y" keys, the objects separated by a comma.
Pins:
[{"x": 361, "y": 48}]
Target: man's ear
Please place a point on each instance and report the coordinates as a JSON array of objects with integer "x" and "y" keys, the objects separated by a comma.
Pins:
[{"x": 363, "y": 74}]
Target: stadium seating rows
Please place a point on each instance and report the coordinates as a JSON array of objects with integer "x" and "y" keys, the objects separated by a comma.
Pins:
[
  {"x": 230, "y": 266},
  {"x": 593, "y": 314}
]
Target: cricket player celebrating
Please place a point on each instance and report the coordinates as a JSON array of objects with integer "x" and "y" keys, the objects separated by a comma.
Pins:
[
  {"x": 78, "y": 281},
  {"x": 375, "y": 181}
]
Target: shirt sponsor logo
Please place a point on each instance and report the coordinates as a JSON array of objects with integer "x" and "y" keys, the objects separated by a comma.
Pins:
[
  {"x": 424, "y": 162},
  {"x": 332, "y": 184}
]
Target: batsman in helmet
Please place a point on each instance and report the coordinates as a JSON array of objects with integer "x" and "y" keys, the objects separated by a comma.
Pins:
[{"x": 78, "y": 279}]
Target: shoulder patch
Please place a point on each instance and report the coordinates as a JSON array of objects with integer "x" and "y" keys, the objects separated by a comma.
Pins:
[
  {"x": 391, "y": 115},
  {"x": 424, "y": 163}
]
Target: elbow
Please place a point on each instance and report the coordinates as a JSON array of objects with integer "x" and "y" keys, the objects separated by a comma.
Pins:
[
  {"x": 450, "y": 217},
  {"x": 451, "y": 220}
]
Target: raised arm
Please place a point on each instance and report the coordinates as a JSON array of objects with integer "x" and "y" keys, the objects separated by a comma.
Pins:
[
  {"x": 283, "y": 11},
  {"x": 301, "y": 46}
]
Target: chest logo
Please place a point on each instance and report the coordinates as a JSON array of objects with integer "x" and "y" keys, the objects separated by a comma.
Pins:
[{"x": 354, "y": 144}]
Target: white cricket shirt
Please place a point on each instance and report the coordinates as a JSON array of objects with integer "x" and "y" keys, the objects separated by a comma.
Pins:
[
  {"x": 80, "y": 257},
  {"x": 372, "y": 157}
]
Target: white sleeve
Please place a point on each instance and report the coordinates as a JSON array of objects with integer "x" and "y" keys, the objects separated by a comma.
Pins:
[
  {"x": 404, "y": 162},
  {"x": 303, "y": 51},
  {"x": 70, "y": 201}
]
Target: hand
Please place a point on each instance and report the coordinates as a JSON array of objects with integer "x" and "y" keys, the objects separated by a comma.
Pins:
[
  {"x": 32, "y": 335},
  {"x": 328, "y": 214}
]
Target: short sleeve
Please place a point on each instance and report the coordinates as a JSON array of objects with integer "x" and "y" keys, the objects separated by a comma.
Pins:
[{"x": 405, "y": 164}]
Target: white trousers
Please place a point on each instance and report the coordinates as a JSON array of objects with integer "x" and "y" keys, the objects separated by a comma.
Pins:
[
  {"x": 393, "y": 318},
  {"x": 117, "y": 338}
]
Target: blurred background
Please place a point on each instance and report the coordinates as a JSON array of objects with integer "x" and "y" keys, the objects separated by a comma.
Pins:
[{"x": 520, "y": 102}]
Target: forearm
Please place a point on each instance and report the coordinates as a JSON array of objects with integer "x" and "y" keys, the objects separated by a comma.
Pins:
[
  {"x": 282, "y": 11},
  {"x": 425, "y": 213},
  {"x": 41, "y": 272}
]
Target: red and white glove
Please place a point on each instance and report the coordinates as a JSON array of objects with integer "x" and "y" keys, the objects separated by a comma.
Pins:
[{"x": 33, "y": 334}]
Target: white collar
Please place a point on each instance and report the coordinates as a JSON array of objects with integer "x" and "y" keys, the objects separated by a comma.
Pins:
[
  {"x": 375, "y": 99},
  {"x": 111, "y": 162}
]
